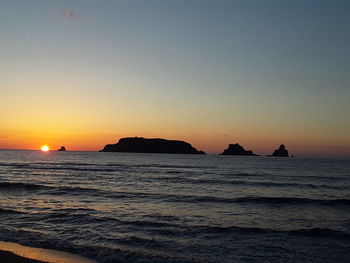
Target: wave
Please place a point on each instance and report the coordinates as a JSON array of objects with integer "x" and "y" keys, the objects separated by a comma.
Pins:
[
  {"x": 241, "y": 182},
  {"x": 319, "y": 177},
  {"x": 123, "y": 250},
  {"x": 67, "y": 190},
  {"x": 21, "y": 186},
  {"x": 294, "y": 200},
  {"x": 62, "y": 165},
  {"x": 320, "y": 232},
  {"x": 176, "y": 166},
  {"x": 309, "y": 232},
  {"x": 170, "y": 229},
  {"x": 9, "y": 211},
  {"x": 80, "y": 169},
  {"x": 15, "y": 164},
  {"x": 163, "y": 239},
  {"x": 274, "y": 200},
  {"x": 77, "y": 209},
  {"x": 137, "y": 245}
]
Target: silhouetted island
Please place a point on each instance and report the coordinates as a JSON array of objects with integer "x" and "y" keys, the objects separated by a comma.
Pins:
[
  {"x": 280, "y": 152},
  {"x": 62, "y": 149},
  {"x": 236, "y": 149},
  {"x": 144, "y": 145}
]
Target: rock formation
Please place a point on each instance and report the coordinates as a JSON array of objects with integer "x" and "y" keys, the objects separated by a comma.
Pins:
[
  {"x": 144, "y": 145},
  {"x": 280, "y": 152},
  {"x": 236, "y": 149},
  {"x": 62, "y": 149}
]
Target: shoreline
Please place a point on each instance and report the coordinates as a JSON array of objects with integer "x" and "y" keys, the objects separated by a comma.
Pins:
[
  {"x": 9, "y": 257},
  {"x": 15, "y": 253}
]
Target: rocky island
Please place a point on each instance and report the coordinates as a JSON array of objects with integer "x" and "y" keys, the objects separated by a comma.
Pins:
[
  {"x": 144, "y": 145},
  {"x": 62, "y": 149},
  {"x": 281, "y": 152},
  {"x": 236, "y": 149}
]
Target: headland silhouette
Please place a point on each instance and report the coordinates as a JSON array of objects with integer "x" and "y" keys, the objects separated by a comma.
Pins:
[{"x": 157, "y": 145}]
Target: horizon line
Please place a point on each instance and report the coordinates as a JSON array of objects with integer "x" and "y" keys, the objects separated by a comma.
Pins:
[{"x": 258, "y": 155}]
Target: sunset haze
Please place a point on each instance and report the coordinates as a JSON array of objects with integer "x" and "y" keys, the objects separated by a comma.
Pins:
[{"x": 261, "y": 73}]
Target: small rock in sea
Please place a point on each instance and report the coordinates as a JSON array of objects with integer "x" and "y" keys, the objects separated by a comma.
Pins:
[
  {"x": 281, "y": 151},
  {"x": 62, "y": 149},
  {"x": 236, "y": 149}
]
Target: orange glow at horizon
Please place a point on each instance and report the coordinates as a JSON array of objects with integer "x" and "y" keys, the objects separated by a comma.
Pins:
[{"x": 210, "y": 143}]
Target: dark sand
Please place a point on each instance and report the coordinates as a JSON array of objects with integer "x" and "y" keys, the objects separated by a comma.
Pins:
[{"x": 9, "y": 257}]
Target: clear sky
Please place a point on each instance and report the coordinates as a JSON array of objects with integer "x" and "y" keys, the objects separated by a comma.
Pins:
[{"x": 85, "y": 73}]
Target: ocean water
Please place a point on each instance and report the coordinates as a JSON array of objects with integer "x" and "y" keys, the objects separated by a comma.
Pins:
[{"x": 123, "y": 207}]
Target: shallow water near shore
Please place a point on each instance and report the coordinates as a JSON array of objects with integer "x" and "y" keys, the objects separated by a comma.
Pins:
[{"x": 123, "y": 207}]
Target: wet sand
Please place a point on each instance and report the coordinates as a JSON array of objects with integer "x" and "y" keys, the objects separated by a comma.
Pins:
[
  {"x": 16, "y": 253},
  {"x": 9, "y": 257}
]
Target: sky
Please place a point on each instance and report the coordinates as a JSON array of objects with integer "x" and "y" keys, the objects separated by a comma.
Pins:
[{"x": 85, "y": 73}]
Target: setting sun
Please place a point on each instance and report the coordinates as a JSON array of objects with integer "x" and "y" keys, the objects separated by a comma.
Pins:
[{"x": 45, "y": 148}]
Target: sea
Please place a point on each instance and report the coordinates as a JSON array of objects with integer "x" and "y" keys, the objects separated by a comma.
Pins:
[{"x": 131, "y": 207}]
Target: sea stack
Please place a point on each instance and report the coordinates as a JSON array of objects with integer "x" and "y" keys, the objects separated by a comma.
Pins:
[
  {"x": 144, "y": 145},
  {"x": 62, "y": 149},
  {"x": 281, "y": 152},
  {"x": 236, "y": 149}
]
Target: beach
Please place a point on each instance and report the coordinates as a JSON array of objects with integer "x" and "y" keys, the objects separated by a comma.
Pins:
[
  {"x": 15, "y": 253},
  {"x": 9, "y": 257}
]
